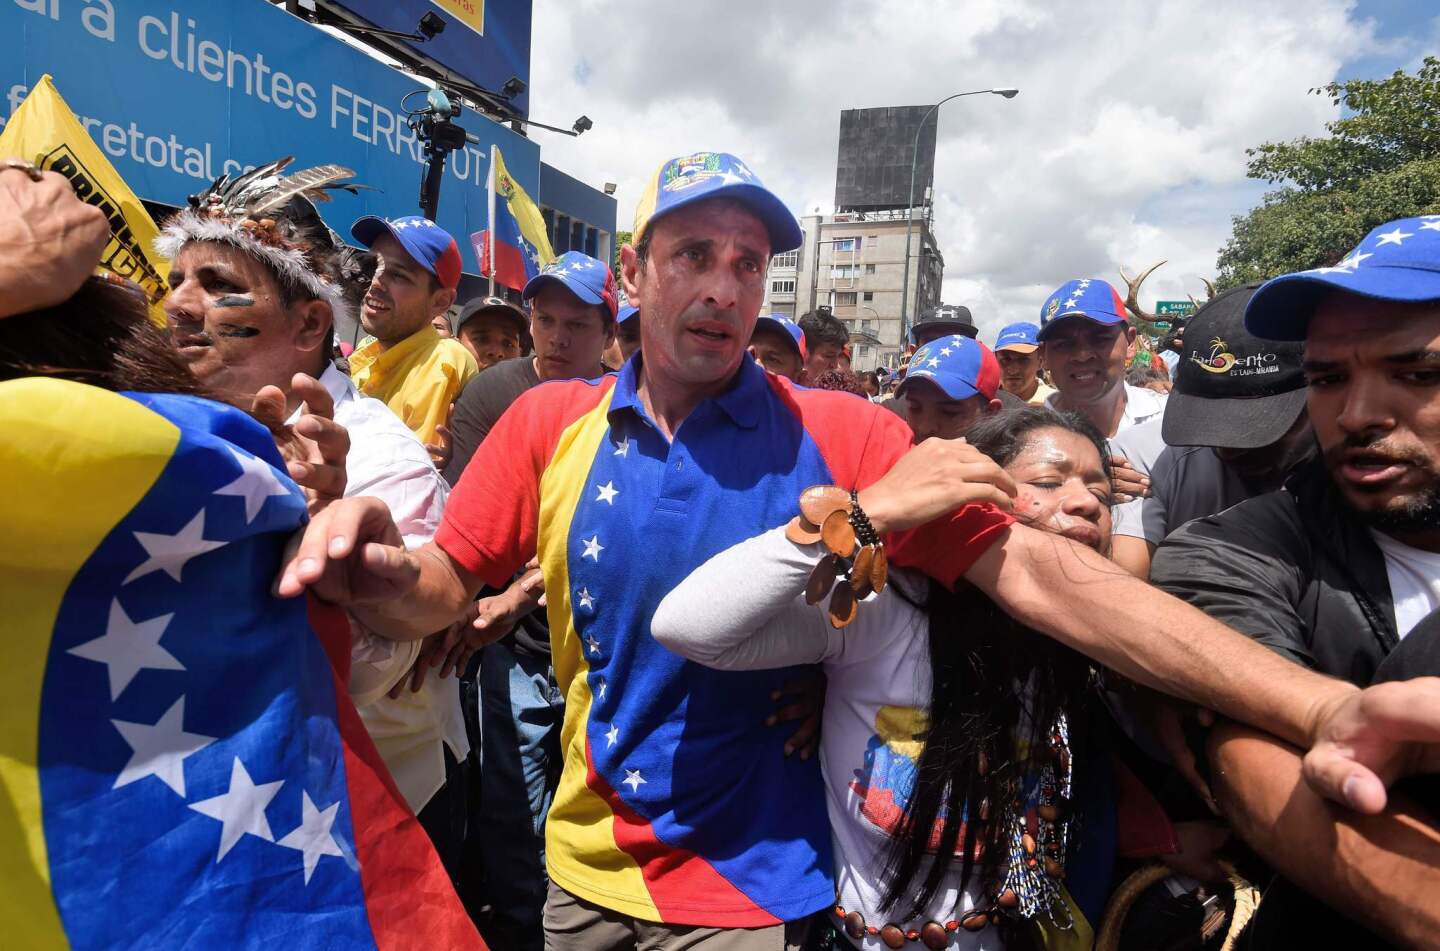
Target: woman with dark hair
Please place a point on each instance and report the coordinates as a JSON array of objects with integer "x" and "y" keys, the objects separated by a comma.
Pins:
[{"x": 946, "y": 738}]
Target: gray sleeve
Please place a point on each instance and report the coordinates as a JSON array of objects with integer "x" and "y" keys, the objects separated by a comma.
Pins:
[
  {"x": 1164, "y": 483},
  {"x": 744, "y": 608}
]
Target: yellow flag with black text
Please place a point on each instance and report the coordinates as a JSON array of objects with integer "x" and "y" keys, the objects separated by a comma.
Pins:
[{"x": 44, "y": 131}]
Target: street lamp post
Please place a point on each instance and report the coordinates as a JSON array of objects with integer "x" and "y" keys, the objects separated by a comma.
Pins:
[{"x": 910, "y": 206}]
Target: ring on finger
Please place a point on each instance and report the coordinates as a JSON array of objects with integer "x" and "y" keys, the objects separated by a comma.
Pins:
[{"x": 20, "y": 165}]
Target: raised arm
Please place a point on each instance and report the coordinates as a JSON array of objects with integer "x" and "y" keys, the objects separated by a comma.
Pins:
[{"x": 742, "y": 609}]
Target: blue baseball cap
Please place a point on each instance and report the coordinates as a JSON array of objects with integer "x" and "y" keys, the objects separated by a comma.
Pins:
[
  {"x": 422, "y": 239},
  {"x": 1398, "y": 261},
  {"x": 786, "y": 325},
  {"x": 702, "y": 175},
  {"x": 961, "y": 366},
  {"x": 1021, "y": 336},
  {"x": 626, "y": 312},
  {"x": 1096, "y": 301},
  {"x": 588, "y": 279}
]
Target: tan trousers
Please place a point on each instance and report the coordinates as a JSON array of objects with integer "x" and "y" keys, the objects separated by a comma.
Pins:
[{"x": 574, "y": 924}]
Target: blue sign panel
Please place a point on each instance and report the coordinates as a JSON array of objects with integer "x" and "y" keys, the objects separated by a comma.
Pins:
[
  {"x": 484, "y": 41},
  {"x": 177, "y": 93}
]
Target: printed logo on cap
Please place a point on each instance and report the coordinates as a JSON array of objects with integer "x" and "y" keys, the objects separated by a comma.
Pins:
[{"x": 1221, "y": 360}]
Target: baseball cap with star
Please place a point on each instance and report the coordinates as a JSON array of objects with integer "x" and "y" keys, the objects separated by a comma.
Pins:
[
  {"x": 1096, "y": 301},
  {"x": 702, "y": 175},
  {"x": 425, "y": 241},
  {"x": 1398, "y": 261},
  {"x": 961, "y": 366},
  {"x": 589, "y": 279}
]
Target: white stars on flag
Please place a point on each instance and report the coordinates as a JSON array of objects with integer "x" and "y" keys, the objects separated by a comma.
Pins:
[
  {"x": 241, "y": 810},
  {"x": 170, "y": 553},
  {"x": 612, "y": 736},
  {"x": 159, "y": 749},
  {"x": 129, "y": 647},
  {"x": 624, "y": 449},
  {"x": 600, "y": 693},
  {"x": 593, "y": 548},
  {"x": 633, "y": 779},
  {"x": 593, "y": 644},
  {"x": 1392, "y": 237},
  {"x": 313, "y": 838},
  {"x": 585, "y": 598},
  {"x": 256, "y": 483},
  {"x": 607, "y": 492}
]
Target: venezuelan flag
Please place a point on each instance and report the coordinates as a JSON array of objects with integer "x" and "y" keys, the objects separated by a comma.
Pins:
[{"x": 179, "y": 762}]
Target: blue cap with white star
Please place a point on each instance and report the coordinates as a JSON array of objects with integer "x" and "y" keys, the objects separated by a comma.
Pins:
[
  {"x": 1398, "y": 261},
  {"x": 702, "y": 175},
  {"x": 1096, "y": 301},
  {"x": 959, "y": 366}
]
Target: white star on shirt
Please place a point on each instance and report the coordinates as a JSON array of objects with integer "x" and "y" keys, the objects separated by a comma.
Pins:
[
  {"x": 159, "y": 749},
  {"x": 1392, "y": 237},
  {"x": 1431, "y": 225},
  {"x": 607, "y": 493},
  {"x": 624, "y": 449},
  {"x": 593, "y": 548},
  {"x": 594, "y": 644},
  {"x": 586, "y": 601},
  {"x": 170, "y": 553},
  {"x": 633, "y": 779},
  {"x": 257, "y": 482},
  {"x": 932, "y": 362},
  {"x": 241, "y": 809},
  {"x": 129, "y": 647},
  {"x": 312, "y": 838},
  {"x": 612, "y": 736}
]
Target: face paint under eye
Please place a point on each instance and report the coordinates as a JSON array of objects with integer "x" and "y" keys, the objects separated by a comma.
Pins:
[
  {"x": 235, "y": 300},
  {"x": 238, "y": 331}
]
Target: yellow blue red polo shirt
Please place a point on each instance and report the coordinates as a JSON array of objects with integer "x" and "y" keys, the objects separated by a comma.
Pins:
[{"x": 676, "y": 802}]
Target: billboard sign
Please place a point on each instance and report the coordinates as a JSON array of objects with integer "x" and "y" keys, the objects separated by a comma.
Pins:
[
  {"x": 484, "y": 42},
  {"x": 877, "y": 147},
  {"x": 177, "y": 93}
]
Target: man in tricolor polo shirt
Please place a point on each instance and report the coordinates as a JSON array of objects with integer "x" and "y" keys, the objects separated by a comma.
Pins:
[{"x": 679, "y": 821}]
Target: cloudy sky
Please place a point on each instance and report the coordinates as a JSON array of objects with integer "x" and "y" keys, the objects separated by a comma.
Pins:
[{"x": 1126, "y": 145}]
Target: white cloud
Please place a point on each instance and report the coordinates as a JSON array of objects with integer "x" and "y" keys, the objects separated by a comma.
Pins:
[{"x": 1125, "y": 146}]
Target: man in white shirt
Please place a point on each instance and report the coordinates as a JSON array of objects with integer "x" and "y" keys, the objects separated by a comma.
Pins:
[
  {"x": 250, "y": 324},
  {"x": 1085, "y": 345}
]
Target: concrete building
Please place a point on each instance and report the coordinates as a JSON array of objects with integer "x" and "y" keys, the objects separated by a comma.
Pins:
[{"x": 853, "y": 263}]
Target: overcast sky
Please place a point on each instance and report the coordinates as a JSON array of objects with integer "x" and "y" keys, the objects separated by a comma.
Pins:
[{"x": 1126, "y": 145}]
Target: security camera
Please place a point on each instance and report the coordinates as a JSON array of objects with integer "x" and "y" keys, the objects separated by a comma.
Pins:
[
  {"x": 610, "y": 188},
  {"x": 431, "y": 25},
  {"x": 583, "y": 124}
]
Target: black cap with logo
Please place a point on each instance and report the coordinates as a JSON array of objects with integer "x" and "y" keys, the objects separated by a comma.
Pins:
[
  {"x": 944, "y": 321},
  {"x": 1232, "y": 390}
]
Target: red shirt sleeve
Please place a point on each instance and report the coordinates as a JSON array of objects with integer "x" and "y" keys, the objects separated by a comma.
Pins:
[
  {"x": 860, "y": 442},
  {"x": 493, "y": 517}
]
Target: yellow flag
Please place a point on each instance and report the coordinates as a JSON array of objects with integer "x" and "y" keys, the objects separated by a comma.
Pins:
[
  {"x": 532, "y": 223},
  {"x": 44, "y": 131}
]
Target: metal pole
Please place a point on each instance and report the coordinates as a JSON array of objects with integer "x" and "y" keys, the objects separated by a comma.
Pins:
[{"x": 910, "y": 208}]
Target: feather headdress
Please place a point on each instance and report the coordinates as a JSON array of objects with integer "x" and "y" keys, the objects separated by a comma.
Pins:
[{"x": 271, "y": 216}]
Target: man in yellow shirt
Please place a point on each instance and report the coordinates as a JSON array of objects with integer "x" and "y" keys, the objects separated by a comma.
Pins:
[{"x": 406, "y": 364}]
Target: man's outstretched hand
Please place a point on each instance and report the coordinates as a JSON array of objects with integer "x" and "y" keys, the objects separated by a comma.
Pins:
[
  {"x": 934, "y": 479},
  {"x": 1367, "y": 739},
  {"x": 351, "y": 554}
]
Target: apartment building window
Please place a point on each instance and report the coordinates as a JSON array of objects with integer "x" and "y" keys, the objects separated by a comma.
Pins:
[
  {"x": 788, "y": 259},
  {"x": 847, "y": 244},
  {"x": 869, "y": 269},
  {"x": 869, "y": 296},
  {"x": 845, "y": 299},
  {"x": 782, "y": 287},
  {"x": 844, "y": 272}
]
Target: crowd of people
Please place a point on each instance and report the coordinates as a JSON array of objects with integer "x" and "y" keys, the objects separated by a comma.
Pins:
[{"x": 674, "y": 632}]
